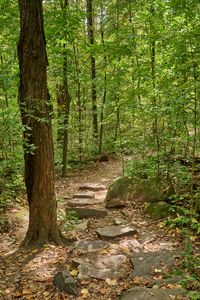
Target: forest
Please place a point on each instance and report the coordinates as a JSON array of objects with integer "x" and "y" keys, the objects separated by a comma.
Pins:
[{"x": 99, "y": 149}]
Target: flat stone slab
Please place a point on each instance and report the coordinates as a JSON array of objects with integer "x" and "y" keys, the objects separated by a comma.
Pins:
[
  {"x": 85, "y": 213},
  {"x": 153, "y": 263},
  {"x": 84, "y": 194},
  {"x": 92, "y": 187},
  {"x": 91, "y": 245},
  {"x": 143, "y": 293},
  {"x": 82, "y": 202},
  {"x": 101, "y": 267},
  {"x": 114, "y": 231}
]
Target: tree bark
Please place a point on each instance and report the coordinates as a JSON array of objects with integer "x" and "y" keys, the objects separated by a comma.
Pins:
[
  {"x": 66, "y": 94},
  {"x": 105, "y": 83},
  {"x": 36, "y": 110},
  {"x": 90, "y": 29},
  {"x": 80, "y": 108}
]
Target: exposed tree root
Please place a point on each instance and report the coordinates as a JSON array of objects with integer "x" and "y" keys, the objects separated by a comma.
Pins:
[{"x": 39, "y": 239}]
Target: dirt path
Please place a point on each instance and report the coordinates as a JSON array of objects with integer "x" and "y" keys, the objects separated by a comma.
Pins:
[{"x": 29, "y": 274}]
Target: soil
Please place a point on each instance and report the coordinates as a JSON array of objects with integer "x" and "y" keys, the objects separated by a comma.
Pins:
[{"x": 28, "y": 273}]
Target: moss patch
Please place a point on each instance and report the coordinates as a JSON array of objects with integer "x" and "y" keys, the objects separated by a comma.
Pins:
[{"x": 159, "y": 210}]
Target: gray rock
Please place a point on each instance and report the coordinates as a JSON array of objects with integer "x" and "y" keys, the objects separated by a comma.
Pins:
[
  {"x": 84, "y": 213},
  {"x": 101, "y": 267},
  {"x": 143, "y": 293},
  {"x": 101, "y": 195},
  {"x": 91, "y": 245},
  {"x": 113, "y": 231},
  {"x": 154, "y": 190},
  {"x": 146, "y": 238},
  {"x": 133, "y": 245},
  {"x": 92, "y": 187},
  {"x": 84, "y": 194},
  {"x": 82, "y": 202},
  {"x": 117, "y": 194},
  {"x": 66, "y": 283},
  {"x": 82, "y": 226},
  {"x": 153, "y": 263}
]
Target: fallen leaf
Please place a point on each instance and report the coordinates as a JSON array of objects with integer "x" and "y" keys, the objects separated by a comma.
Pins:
[
  {"x": 111, "y": 281},
  {"x": 84, "y": 292},
  {"x": 35, "y": 251},
  {"x": 157, "y": 270},
  {"x": 138, "y": 280},
  {"x": 26, "y": 291},
  {"x": 74, "y": 272}
]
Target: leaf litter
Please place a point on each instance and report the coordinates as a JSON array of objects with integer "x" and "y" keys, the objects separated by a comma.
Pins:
[{"x": 28, "y": 274}]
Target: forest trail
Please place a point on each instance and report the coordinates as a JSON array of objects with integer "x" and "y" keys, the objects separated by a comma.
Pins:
[{"x": 101, "y": 262}]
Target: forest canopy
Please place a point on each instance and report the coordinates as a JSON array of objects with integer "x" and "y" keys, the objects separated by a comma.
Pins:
[{"x": 123, "y": 77}]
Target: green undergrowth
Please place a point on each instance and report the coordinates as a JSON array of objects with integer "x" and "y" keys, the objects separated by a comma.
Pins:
[{"x": 11, "y": 186}]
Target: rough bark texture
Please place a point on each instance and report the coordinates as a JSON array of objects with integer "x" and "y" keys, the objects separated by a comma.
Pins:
[
  {"x": 93, "y": 67},
  {"x": 35, "y": 111},
  {"x": 66, "y": 96}
]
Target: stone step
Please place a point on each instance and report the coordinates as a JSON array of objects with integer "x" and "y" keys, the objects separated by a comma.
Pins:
[
  {"x": 92, "y": 187},
  {"x": 85, "y": 213},
  {"x": 114, "y": 231},
  {"x": 101, "y": 266},
  {"x": 89, "y": 245},
  {"x": 83, "y": 202},
  {"x": 84, "y": 194}
]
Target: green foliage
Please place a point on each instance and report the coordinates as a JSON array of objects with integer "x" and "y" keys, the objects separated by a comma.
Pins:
[
  {"x": 142, "y": 168},
  {"x": 193, "y": 295},
  {"x": 67, "y": 220},
  {"x": 190, "y": 263},
  {"x": 185, "y": 221}
]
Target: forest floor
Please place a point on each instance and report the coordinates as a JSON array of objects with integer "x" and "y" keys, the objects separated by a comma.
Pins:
[{"x": 28, "y": 274}]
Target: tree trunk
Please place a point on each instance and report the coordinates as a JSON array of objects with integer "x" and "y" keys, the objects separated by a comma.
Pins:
[
  {"x": 78, "y": 72},
  {"x": 154, "y": 97},
  {"x": 105, "y": 83},
  {"x": 66, "y": 95},
  {"x": 36, "y": 120},
  {"x": 93, "y": 67}
]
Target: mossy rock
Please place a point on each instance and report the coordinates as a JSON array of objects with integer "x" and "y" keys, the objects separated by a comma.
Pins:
[
  {"x": 118, "y": 192},
  {"x": 159, "y": 210},
  {"x": 153, "y": 190}
]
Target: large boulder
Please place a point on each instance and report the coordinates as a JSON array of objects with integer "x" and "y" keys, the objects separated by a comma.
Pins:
[
  {"x": 154, "y": 190},
  {"x": 118, "y": 193}
]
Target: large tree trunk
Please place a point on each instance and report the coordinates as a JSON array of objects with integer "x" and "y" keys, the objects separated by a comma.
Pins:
[{"x": 35, "y": 111}]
